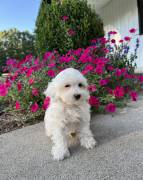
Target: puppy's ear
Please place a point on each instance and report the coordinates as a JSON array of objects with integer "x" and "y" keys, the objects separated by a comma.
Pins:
[{"x": 50, "y": 91}]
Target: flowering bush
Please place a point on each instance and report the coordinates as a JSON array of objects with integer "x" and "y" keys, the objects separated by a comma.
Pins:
[
  {"x": 109, "y": 82},
  {"x": 62, "y": 26}
]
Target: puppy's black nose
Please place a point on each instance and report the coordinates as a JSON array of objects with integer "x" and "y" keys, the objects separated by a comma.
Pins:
[{"x": 77, "y": 96}]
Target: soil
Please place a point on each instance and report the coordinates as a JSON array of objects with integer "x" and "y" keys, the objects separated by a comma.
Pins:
[{"x": 9, "y": 123}]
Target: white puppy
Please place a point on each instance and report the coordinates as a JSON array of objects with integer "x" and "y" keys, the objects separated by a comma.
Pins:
[{"x": 69, "y": 112}]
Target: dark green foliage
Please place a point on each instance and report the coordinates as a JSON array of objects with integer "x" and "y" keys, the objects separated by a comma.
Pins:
[
  {"x": 15, "y": 44},
  {"x": 52, "y": 32}
]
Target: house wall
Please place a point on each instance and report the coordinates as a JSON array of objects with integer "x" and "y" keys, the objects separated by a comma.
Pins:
[{"x": 121, "y": 15}]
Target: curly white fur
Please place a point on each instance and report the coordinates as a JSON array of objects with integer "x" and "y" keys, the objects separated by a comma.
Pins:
[{"x": 69, "y": 111}]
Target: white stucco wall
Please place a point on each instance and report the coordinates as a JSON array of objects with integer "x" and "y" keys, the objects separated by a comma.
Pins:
[{"x": 121, "y": 15}]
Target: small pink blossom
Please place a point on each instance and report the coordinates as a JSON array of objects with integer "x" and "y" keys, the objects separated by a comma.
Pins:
[
  {"x": 51, "y": 65},
  {"x": 3, "y": 90},
  {"x": 29, "y": 72},
  {"x": 112, "y": 32},
  {"x": 134, "y": 95},
  {"x": 118, "y": 72},
  {"x": 93, "y": 41},
  {"x": 65, "y": 18},
  {"x": 36, "y": 62},
  {"x": 103, "y": 82},
  {"x": 8, "y": 83},
  {"x": 19, "y": 86},
  {"x": 92, "y": 88},
  {"x": 50, "y": 73},
  {"x": 11, "y": 62},
  {"x": 121, "y": 41},
  {"x": 89, "y": 68},
  {"x": 132, "y": 30},
  {"x": 35, "y": 92},
  {"x": 110, "y": 68},
  {"x": 127, "y": 38},
  {"x": 17, "y": 105},
  {"x": 34, "y": 107},
  {"x": 113, "y": 41},
  {"x": 71, "y": 32},
  {"x": 99, "y": 70},
  {"x": 94, "y": 101},
  {"x": 46, "y": 103},
  {"x": 140, "y": 78},
  {"x": 119, "y": 92},
  {"x": 110, "y": 107},
  {"x": 47, "y": 55},
  {"x": 31, "y": 81}
]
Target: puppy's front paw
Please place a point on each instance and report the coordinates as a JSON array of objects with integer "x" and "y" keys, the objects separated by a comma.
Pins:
[
  {"x": 88, "y": 142},
  {"x": 59, "y": 153}
]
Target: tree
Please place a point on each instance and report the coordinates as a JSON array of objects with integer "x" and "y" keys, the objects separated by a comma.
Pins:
[
  {"x": 15, "y": 44},
  {"x": 66, "y": 24}
]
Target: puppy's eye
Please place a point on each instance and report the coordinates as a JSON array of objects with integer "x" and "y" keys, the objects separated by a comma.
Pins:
[
  {"x": 80, "y": 85},
  {"x": 67, "y": 85}
]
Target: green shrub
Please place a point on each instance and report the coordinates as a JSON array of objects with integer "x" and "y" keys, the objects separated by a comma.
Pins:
[
  {"x": 15, "y": 44},
  {"x": 66, "y": 25}
]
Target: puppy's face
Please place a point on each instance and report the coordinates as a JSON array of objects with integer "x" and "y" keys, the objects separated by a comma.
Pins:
[
  {"x": 70, "y": 87},
  {"x": 73, "y": 91}
]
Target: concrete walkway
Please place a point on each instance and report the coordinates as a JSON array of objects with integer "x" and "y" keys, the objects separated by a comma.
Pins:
[{"x": 25, "y": 153}]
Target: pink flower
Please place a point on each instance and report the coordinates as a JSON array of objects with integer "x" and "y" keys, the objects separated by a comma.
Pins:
[
  {"x": 113, "y": 41},
  {"x": 121, "y": 41},
  {"x": 34, "y": 107},
  {"x": 93, "y": 41},
  {"x": 118, "y": 72},
  {"x": 51, "y": 65},
  {"x": 134, "y": 95},
  {"x": 46, "y": 103},
  {"x": 84, "y": 72},
  {"x": 140, "y": 78},
  {"x": 110, "y": 68},
  {"x": 31, "y": 81},
  {"x": 36, "y": 62},
  {"x": 92, "y": 88},
  {"x": 8, "y": 83},
  {"x": 11, "y": 62},
  {"x": 94, "y": 101},
  {"x": 3, "y": 90},
  {"x": 110, "y": 107},
  {"x": 99, "y": 70},
  {"x": 89, "y": 67},
  {"x": 47, "y": 55},
  {"x": 29, "y": 72},
  {"x": 17, "y": 105},
  {"x": 133, "y": 30},
  {"x": 119, "y": 92},
  {"x": 112, "y": 32},
  {"x": 65, "y": 18},
  {"x": 127, "y": 38},
  {"x": 19, "y": 86},
  {"x": 103, "y": 82},
  {"x": 51, "y": 73},
  {"x": 71, "y": 32},
  {"x": 35, "y": 92},
  {"x": 28, "y": 57},
  {"x": 77, "y": 52}
]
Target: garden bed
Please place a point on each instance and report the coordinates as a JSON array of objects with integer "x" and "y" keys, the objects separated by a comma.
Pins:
[{"x": 10, "y": 122}]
